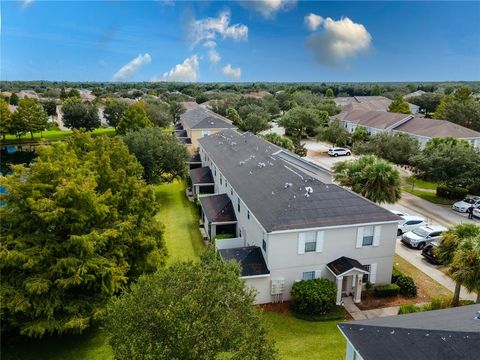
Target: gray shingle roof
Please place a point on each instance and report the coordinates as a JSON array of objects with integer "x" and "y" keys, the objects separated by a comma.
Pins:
[
  {"x": 371, "y": 118},
  {"x": 344, "y": 264},
  {"x": 250, "y": 258},
  {"x": 201, "y": 175},
  {"x": 218, "y": 208},
  {"x": 451, "y": 334},
  {"x": 275, "y": 190},
  {"x": 436, "y": 128},
  {"x": 201, "y": 118}
]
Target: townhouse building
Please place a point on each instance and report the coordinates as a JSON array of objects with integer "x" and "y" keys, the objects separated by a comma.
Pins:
[{"x": 287, "y": 220}]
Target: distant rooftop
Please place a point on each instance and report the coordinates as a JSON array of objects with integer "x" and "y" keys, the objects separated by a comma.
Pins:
[
  {"x": 371, "y": 118},
  {"x": 201, "y": 118},
  {"x": 281, "y": 189},
  {"x": 436, "y": 128}
]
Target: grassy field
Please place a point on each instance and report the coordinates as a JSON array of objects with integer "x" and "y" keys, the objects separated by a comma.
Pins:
[
  {"x": 51, "y": 135},
  {"x": 429, "y": 287},
  {"x": 180, "y": 218},
  {"x": 428, "y": 195},
  {"x": 422, "y": 184},
  {"x": 300, "y": 339}
]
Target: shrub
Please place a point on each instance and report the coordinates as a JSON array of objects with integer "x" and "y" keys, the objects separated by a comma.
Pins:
[
  {"x": 451, "y": 192},
  {"x": 439, "y": 303},
  {"x": 395, "y": 275},
  {"x": 386, "y": 290},
  {"x": 407, "y": 285},
  {"x": 474, "y": 189},
  {"x": 313, "y": 297},
  {"x": 408, "y": 309}
]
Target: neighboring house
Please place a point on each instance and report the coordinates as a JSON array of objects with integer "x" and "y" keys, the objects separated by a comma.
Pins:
[
  {"x": 415, "y": 94},
  {"x": 289, "y": 222},
  {"x": 448, "y": 334},
  {"x": 31, "y": 94},
  {"x": 420, "y": 128},
  {"x": 374, "y": 103},
  {"x": 197, "y": 123}
]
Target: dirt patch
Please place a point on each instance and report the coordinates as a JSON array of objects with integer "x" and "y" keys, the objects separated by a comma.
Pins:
[
  {"x": 370, "y": 302},
  {"x": 281, "y": 308}
]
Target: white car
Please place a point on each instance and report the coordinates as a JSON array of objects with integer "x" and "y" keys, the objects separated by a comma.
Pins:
[
  {"x": 399, "y": 213},
  {"x": 476, "y": 212},
  {"x": 423, "y": 235},
  {"x": 338, "y": 152},
  {"x": 462, "y": 206},
  {"x": 410, "y": 223}
]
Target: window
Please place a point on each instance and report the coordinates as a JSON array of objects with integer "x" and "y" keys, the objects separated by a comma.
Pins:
[
  {"x": 310, "y": 241},
  {"x": 220, "y": 179},
  {"x": 366, "y": 277},
  {"x": 368, "y": 232},
  {"x": 264, "y": 245},
  {"x": 231, "y": 191},
  {"x": 226, "y": 183},
  {"x": 215, "y": 171},
  {"x": 308, "y": 275},
  {"x": 238, "y": 204},
  {"x": 248, "y": 214}
]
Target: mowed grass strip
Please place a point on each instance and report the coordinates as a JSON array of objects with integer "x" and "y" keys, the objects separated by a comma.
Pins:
[
  {"x": 301, "y": 339},
  {"x": 180, "y": 218}
]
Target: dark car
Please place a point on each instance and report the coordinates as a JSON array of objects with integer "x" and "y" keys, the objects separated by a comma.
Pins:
[{"x": 428, "y": 253}]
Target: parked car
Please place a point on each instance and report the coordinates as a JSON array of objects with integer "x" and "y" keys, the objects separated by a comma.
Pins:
[
  {"x": 398, "y": 212},
  {"x": 338, "y": 152},
  {"x": 410, "y": 223},
  {"x": 423, "y": 235},
  {"x": 429, "y": 253},
  {"x": 462, "y": 206},
  {"x": 476, "y": 212}
]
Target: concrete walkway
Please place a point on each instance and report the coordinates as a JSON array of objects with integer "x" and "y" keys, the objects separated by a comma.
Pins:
[{"x": 358, "y": 314}]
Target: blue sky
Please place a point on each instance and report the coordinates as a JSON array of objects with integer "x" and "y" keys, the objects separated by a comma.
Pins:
[{"x": 269, "y": 40}]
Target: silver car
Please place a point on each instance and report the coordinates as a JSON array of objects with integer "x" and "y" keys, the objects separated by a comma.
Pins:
[{"x": 423, "y": 235}]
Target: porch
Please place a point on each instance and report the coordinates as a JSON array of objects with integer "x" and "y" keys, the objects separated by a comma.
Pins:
[
  {"x": 202, "y": 181},
  {"x": 194, "y": 162},
  {"x": 348, "y": 275},
  {"x": 218, "y": 215}
]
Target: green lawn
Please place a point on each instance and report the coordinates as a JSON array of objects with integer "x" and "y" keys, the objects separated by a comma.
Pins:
[
  {"x": 300, "y": 339},
  {"x": 428, "y": 195},
  {"x": 180, "y": 218},
  {"x": 52, "y": 135},
  {"x": 421, "y": 184},
  {"x": 91, "y": 345}
]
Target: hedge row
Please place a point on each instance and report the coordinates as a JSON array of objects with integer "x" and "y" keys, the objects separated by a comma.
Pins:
[
  {"x": 451, "y": 192},
  {"x": 313, "y": 297},
  {"x": 386, "y": 290},
  {"x": 406, "y": 283}
]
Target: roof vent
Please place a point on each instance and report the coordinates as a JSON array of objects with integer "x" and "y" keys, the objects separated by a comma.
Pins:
[
  {"x": 261, "y": 165},
  {"x": 287, "y": 185},
  {"x": 309, "y": 190},
  {"x": 242, "y": 163},
  {"x": 478, "y": 315}
]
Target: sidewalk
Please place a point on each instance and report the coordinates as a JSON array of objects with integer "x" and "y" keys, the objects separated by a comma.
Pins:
[{"x": 358, "y": 314}]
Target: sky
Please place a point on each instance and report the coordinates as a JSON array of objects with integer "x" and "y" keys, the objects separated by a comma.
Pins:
[{"x": 244, "y": 41}]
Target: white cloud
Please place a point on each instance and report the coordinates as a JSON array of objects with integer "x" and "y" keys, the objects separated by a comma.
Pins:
[
  {"x": 339, "y": 40},
  {"x": 26, "y": 3},
  {"x": 269, "y": 8},
  {"x": 209, "y": 29},
  {"x": 313, "y": 21},
  {"x": 130, "y": 69},
  {"x": 210, "y": 44},
  {"x": 231, "y": 72},
  {"x": 186, "y": 71},
  {"x": 214, "y": 56}
]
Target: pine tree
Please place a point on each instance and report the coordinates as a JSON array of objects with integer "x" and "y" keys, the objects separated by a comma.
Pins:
[
  {"x": 77, "y": 227},
  {"x": 31, "y": 116}
]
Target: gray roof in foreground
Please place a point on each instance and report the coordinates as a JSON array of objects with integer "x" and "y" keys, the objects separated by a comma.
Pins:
[
  {"x": 275, "y": 188},
  {"x": 201, "y": 118},
  {"x": 449, "y": 334}
]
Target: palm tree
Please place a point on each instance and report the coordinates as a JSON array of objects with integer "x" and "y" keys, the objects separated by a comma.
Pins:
[
  {"x": 374, "y": 178},
  {"x": 465, "y": 268},
  {"x": 445, "y": 252}
]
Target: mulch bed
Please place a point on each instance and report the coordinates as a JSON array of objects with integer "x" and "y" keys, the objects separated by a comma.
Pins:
[
  {"x": 370, "y": 302},
  {"x": 281, "y": 308}
]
